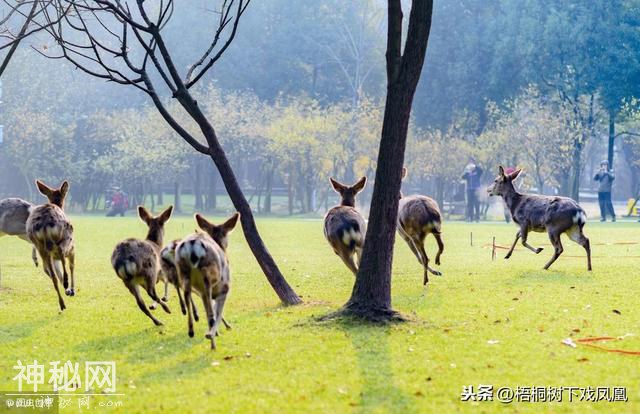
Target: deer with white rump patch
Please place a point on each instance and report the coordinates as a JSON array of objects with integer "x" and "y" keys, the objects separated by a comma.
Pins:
[
  {"x": 169, "y": 275},
  {"x": 538, "y": 213},
  {"x": 14, "y": 213},
  {"x": 344, "y": 226},
  {"x": 51, "y": 232},
  {"x": 203, "y": 267},
  {"x": 137, "y": 262},
  {"x": 419, "y": 216}
]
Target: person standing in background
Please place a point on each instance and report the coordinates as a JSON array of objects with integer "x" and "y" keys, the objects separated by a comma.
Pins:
[
  {"x": 605, "y": 178},
  {"x": 472, "y": 175}
]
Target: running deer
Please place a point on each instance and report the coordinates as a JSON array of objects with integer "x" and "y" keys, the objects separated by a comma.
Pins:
[
  {"x": 169, "y": 275},
  {"x": 51, "y": 232},
  {"x": 555, "y": 215},
  {"x": 203, "y": 267},
  {"x": 344, "y": 226},
  {"x": 137, "y": 262},
  {"x": 14, "y": 213},
  {"x": 419, "y": 216}
]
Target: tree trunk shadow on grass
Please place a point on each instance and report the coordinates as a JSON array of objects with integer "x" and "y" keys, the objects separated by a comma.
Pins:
[{"x": 374, "y": 362}]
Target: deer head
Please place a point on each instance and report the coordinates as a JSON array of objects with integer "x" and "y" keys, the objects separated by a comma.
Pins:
[
  {"x": 503, "y": 183},
  {"x": 55, "y": 196},
  {"x": 155, "y": 224},
  {"x": 348, "y": 193},
  {"x": 219, "y": 233}
]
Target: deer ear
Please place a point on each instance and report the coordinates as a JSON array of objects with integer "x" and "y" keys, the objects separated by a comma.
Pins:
[
  {"x": 231, "y": 223},
  {"x": 337, "y": 186},
  {"x": 404, "y": 172},
  {"x": 44, "y": 189},
  {"x": 144, "y": 214},
  {"x": 64, "y": 188},
  {"x": 164, "y": 217},
  {"x": 360, "y": 184},
  {"x": 203, "y": 223},
  {"x": 515, "y": 174},
  {"x": 501, "y": 170}
]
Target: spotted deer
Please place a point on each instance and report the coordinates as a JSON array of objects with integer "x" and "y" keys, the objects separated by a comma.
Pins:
[
  {"x": 51, "y": 232},
  {"x": 203, "y": 267},
  {"x": 14, "y": 213},
  {"x": 137, "y": 262},
  {"x": 538, "y": 213},
  {"x": 344, "y": 226},
  {"x": 419, "y": 216}
]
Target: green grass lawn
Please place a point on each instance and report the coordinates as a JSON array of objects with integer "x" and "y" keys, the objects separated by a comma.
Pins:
[{"x": 279, "y": 359}]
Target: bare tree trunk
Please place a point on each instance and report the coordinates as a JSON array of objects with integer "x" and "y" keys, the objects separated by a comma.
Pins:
[
  {"x": 268, "y": 191},
  {"x": 371, "y": 296},
  {"x": 612, "y": 137},
  {"x": 279, "y": 284}
]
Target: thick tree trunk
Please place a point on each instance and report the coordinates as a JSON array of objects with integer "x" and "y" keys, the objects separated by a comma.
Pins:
[
  {"x": 371, "y": 296},
  {"x": 279, "y": 284}
]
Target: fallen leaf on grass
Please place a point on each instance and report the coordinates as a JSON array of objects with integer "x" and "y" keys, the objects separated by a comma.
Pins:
[
  {"x": 493, "y": 341},
  {"x": 569, "y": 342},
  {"x": 228, "y": 357},
  {"x": 617, "y": 312},
  {"x": 419, "y": 394},
  {"x": 583, "y": 360}
]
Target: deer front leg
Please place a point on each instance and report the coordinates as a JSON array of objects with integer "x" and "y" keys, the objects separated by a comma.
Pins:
[
  {"x": 71, "y": 257},
  {"x": 557, "y": 244},
  {"x": 513, "y": 246},
  {"x": 219, "y": 307},
  {"x": 524, "y": 232},
  {"x": 135, "y": 291},
  {"x": 150, "y": 287},
  {"x": 207, "y": 302},
  {"x": 166, "y": 291},
  {"x": 420, "y": 246},
  {"x": 182, "y": 307}
]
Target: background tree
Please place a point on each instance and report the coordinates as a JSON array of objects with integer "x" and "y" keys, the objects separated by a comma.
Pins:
[{"x": 141, "y": 58}]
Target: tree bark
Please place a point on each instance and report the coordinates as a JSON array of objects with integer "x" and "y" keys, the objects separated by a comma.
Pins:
[{"x": 371, "y": 296}]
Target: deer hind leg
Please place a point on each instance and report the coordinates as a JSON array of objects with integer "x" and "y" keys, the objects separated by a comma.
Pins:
[
  {"x": 347, "y": 257},
  {"x": 135, "y": 291},
  {"x": 524, "y": 233},
  {"x": 438, "y": 238},
  {"x": 513, "y": 246},
  {"x": 47, "y": 264},
  {"x": 557, "y": 244},
  {"x": 575, "y": 233},
  {"x": 166, "y": 291}
]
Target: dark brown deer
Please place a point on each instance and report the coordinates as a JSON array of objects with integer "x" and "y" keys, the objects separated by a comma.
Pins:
[
  {"x": 137, "y": 262},
  {"x": 203, "y": 267},
  {"x": 344, "y": 226},
  {"x": 419, "y": 216},
  {"x": 51, "y": 232},
  {"x": 538, "y": 213},
  {"x": 14, "y": 213}
]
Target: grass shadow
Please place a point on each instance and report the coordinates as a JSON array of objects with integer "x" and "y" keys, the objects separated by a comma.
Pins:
[
  {"x": 550, "y": 276},
  {"x": 16, "y": 332},
  {"x": 374, "y": 361}
]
